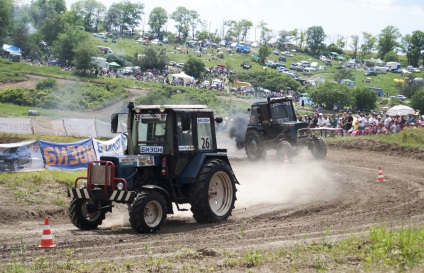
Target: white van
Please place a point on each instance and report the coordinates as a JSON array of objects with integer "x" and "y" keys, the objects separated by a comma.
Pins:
[
  {"x": 307, "y": 71},
  {"x": 380, "y": 70},
  {"x": 314, "y": 66}
]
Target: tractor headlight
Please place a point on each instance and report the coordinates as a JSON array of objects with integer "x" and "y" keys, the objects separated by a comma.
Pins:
[
  {"x": 83, "y": 183},
  {"x": 120, "y": 186}
]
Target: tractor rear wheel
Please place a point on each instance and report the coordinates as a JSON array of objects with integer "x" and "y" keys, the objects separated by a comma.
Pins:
[
  {"x": 148, "y": 212},
  {"x": 254, "y": 145},
  {"x": 213, "y": 194},
  {"x": 84, "y": 213},
  {"x": 319, "y": 148}
]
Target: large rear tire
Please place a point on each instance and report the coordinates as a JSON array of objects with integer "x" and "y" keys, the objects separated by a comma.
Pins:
[
  {"x": 148, "y": 212},
  {"x": 84, "y": 214},
  {"x": 254, "y": 145},
  {"x": 319, "y": 148},
  {"x": 213, "y": 195}
]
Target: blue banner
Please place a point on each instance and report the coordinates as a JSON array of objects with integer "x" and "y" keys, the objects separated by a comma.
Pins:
[{"x": 68, "y": 156}]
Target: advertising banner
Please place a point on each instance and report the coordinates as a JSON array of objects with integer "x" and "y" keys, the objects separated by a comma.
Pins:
[
  {"x": 80, "y": 127},
  {"x": 16, "y": 126},
  {"x": 48, "y": 127},
  {"x": 22, "y": 156},
  {"x": 68, "y": 156},
  {"x": 113, "y": 147}
]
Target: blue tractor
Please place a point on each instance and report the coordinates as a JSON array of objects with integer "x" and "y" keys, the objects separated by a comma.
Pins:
[
  {"x": 171, "y": 158},
  {"x": 273, "y": 125}
]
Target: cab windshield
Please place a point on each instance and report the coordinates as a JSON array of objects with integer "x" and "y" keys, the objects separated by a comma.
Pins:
[
  {"x": 282, "y": 111},
  {"x": 149, "y": 129}
]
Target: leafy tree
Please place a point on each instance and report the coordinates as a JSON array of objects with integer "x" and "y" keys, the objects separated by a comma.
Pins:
[
  {"x": 182, "y": 17},
  {"x": 234, "y": 30},
  {"x": 283, "y": 38},
  {"x": 263, "y": 52},
  {"x": 334, "y": 48},
  {"x": 417, "y": 44},
  {"x": 332, "y": 94},
  {"x": 246, "y": 25},
  {"x": 391, "y": 56},
  {"x": 194, "y": 67},
  {"x": 369, "y": 43},
  {"x": 91, "y": 12},
  {"x": 194, "y": 21},
  {"x": 266, "y": 33},
  {"x": 269, "y": 79},
  {"x": 406, "y": 46},
  {"x": 342, "y": 74},
  {"x": 387, "y": 40},
  {"x": 52, "y": 27},
  {"x": 5, "y": 17},
  {"x": 365, "y": 98},
  {"x": 113, "y": 19},
  {"x": 40, "y": 10},
  {"x": 151, "y": 58},
  {"x": 315, "y": 39},
  {"x": 157, "y": 19},
  {"x": 20, "y": 36},
  {"x": 130, "y": 15},
  {"x": 354, "y": 45},
  {"x": 409, "y": 87},
  {"x": 417, "y": 101},
  {"x": 64, "y": 46},
  {"x": 84, "y": 51}
]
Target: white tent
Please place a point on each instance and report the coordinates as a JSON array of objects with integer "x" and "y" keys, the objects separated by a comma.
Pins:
[{"x": 182, "y": 75}]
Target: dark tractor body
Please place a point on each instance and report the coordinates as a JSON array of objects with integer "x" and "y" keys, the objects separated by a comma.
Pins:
[
  {"x": 273, "y": 125},
  {"x": 172, "y": 158}
]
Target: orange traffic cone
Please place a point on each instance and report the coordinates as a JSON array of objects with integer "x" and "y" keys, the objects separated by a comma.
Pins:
[
  {"x": 380, "y": 177},
  {"x": 47, "y": 238}
]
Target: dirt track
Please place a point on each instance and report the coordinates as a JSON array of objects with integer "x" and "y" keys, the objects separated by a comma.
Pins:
[{"x": 277, "y": 204}]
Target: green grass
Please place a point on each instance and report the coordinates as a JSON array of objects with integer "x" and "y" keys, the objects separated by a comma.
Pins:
[
  {"x": 41, "y": 187},
  {"x": 408, "y": 138},
  {"x": 379, "y": 250}
]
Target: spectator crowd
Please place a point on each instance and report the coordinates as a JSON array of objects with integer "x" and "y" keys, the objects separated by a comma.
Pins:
[{"x": 363, "y": 123}]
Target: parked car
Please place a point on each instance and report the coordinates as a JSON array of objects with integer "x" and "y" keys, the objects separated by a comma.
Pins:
[
  {"x": 399, "y": 97},
  {"x": 179, "y": 65},
  {"x": 370, "y": 73},
  {"x": 246, "y": 65},
  {"x": 156, "y": 42},
  {"x": 276, "y": 52},
  {"x": 327, "y": 62},
  {"x": 100, "y": 35},
  {"x": 15, "y": 158}
]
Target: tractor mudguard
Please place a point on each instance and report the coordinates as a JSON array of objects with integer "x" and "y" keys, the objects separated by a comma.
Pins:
[
  {"x": 189, "y": 174},
  {"x": 163, "y": 192}
]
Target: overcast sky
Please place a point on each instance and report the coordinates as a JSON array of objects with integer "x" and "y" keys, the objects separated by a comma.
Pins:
[{"x": 337, "y": 17}]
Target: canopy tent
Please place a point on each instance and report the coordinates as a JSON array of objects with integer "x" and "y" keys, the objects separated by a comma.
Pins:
[
  {"x": 114, "y": 64},
  {"x": 183, "y": 76},
  {"x": 11, "y": 49},
  {"x": 400, "y": 110}
]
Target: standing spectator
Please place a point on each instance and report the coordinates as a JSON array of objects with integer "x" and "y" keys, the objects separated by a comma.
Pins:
[
  {"x": 349, "y": 122},
  {"x": 387, "y": 121},
  {"x": 320, "y": 120}
]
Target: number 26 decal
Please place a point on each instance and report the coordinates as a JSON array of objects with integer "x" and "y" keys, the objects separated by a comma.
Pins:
[{"x": 205, "y": 142}]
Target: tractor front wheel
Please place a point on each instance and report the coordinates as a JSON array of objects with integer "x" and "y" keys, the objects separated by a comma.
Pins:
[
  {"x": 254, "y": 145},
  {"x": 148, "y": 212},
  {"x": 284, "y": 150},
  {"x": 319, "y": 148},
  {"x": 213, "y": 195},
  {"x": 85, "y": 213}
]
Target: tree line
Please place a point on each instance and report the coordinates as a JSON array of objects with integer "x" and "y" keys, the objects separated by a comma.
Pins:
[{"x": 26, "y": 26}]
